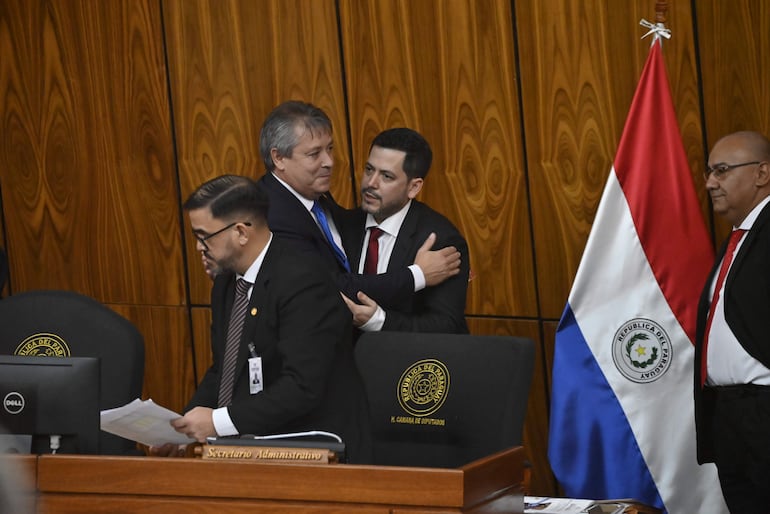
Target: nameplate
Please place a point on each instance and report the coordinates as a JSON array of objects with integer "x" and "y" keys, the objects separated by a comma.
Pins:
[{"x": 275, "y": 454}]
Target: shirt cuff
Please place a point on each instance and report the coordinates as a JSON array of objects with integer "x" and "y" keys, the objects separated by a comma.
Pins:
[
  {"x": 419, "y": 277},
  {"x": 375, "y": 323},
  {"x": 222, "y": 422}
]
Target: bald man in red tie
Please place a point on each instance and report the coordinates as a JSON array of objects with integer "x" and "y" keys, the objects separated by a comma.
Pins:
[{"x": 732, "y": 353}]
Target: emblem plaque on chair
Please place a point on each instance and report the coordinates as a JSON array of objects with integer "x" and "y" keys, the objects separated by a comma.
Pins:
[
  {"x": 423, "y": 387},
  {"x": 43, "y": 345}
]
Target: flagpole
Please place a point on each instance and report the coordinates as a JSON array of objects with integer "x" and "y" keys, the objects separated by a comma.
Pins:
[
  {"x": 661, "y": 7},
  {"x": 647, "y": 256}
]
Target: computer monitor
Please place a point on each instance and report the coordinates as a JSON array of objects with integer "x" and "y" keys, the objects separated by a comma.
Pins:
[{"x": 51, "y": 396}]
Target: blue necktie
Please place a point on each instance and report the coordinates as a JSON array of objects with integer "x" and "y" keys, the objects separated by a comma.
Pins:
[{"x": 324, "y": 223}]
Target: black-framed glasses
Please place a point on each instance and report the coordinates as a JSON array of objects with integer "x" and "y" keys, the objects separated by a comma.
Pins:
[
  {"x": 720, "y": 170},
  {"x": 202, "y": 240}
]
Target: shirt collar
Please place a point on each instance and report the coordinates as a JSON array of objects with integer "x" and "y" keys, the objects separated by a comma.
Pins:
[
  {"x": 304, "y": 201},
  {"x": 749, "y": 220},
  {"x": 392, "y": 224},
  {"x": 251, "y": 273}
]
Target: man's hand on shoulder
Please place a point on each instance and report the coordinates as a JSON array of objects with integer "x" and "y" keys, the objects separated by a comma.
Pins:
[{"x": 437, "y": 265}]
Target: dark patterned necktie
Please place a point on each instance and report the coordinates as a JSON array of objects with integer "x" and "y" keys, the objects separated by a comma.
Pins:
[
  {"x": 234, "y": 332},
  {"x": 320, "y": 215},
  {"x": 372, "y": 250}
]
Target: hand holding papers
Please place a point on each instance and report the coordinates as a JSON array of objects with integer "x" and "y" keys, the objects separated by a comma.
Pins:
[{"x": 144, "y": 422}]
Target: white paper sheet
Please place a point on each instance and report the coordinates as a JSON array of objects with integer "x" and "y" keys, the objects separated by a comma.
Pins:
[
  {"x": 144, "y": 422},
  {"x": 544, "y": 505}
]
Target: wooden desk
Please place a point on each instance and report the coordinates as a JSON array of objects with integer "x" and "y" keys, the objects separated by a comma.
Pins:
[{"x": 82, "y": 484}]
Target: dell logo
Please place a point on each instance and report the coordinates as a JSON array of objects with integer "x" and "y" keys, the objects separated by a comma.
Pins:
[{"x": 13, "y": 403}]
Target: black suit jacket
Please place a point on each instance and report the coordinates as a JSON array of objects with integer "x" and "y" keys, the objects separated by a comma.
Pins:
[
  {"x": 302, "y": 330},
  {"x": 440, "y": 308},
  {"x": 290, "y": 220},
  {"x": 747, "y": 312}
]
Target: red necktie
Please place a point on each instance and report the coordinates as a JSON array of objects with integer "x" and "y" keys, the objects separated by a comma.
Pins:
[
  {"x": 735, "y": 237},
  {"x": 372, "y": 250}
]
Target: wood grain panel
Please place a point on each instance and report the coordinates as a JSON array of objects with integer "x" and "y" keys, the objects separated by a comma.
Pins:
[
  {"x": 535, "y": 441},
  {"x": 549, "y": 342},
  {"x": 168, "y": 367},
  {"x": 230, "y": 63},
  {"x": 734, "y": 46},
  {"x": 579, "y": 70},
  {"x": 6, "y": 289},
  {"x": 446, "y": 69},
  {"x": 201, "y": 327},
  {"x": 89, "y": 194}
]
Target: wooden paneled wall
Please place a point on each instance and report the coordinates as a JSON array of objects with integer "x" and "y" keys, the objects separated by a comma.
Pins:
[{"x": 111, "y": 113}]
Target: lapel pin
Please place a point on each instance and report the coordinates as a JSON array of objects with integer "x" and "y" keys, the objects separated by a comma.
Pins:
[{"x": 253, "y": 311}]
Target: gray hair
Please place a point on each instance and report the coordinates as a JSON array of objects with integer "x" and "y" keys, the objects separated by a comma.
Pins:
[{"x": 279, "y": 129}]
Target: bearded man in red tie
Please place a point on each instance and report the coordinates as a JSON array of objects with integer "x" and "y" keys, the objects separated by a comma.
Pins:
[
  {"x": 732, "y": 353},
  {"x": 386, "y": 234},
  {"x": 296, "y": 146}
]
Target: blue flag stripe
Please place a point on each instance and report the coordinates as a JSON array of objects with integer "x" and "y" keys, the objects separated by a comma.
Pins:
[{"x": 602, "y": 458}]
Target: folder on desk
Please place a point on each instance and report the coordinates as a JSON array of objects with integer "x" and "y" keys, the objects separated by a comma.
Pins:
[{"x": 316, "y": 439}]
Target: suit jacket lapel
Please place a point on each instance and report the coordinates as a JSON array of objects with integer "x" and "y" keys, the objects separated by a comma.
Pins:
[
  {"x": 224, "y": 297},
  {"x": 401, "y": 255},
  {"x": 749, "y": 239},
  {"x": 289, "y": 211},
  {"x": 256, "y": 309},
  {"x": 353, "y": 231},
  {"x": 333, "y": 210}
]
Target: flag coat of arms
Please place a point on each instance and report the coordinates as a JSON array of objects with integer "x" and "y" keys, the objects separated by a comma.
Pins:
[{"x": 622, "y": 422}]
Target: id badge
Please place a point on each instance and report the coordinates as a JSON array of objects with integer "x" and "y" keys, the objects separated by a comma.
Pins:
[{"x": 255, "y": 375}]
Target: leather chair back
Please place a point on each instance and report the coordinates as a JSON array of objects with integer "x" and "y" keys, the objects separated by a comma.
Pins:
[
  {"x": 443, "y": 400},
  {"x": 64, "y": 324}
]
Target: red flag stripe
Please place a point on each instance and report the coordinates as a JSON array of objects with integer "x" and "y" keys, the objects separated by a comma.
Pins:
[{"x": 652, "y": 168}]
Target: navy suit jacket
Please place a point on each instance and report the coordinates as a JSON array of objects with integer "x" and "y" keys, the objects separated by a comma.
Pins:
[
  {"x": 301, "y": 329},
  {"x": 290, "y": 220},
  {"x": 747, "y": 312},
  {"x": 439, "y": 308}
]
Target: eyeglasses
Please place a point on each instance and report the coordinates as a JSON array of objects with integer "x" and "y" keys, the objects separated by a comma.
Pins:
[
  {"x": 202, "y": 240},
  {"x": 720, "y": 170}
]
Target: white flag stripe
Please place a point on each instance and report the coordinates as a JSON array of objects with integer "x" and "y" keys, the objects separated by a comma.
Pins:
[{"x": 660, "y": 412}]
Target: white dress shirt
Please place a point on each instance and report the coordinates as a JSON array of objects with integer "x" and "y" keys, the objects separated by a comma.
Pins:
[
  {"x": 728, "y": 363},
  {"x": 390, "y": 228},
  {"x": 220, "y": 416}
]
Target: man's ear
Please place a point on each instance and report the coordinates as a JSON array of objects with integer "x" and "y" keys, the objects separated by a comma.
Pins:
[
  {"x": 415, "y": 185},
  {"x": 763, "y": 174},
  {"x": 243, "y": 234},
  {"x": 277, "y": 159}
]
